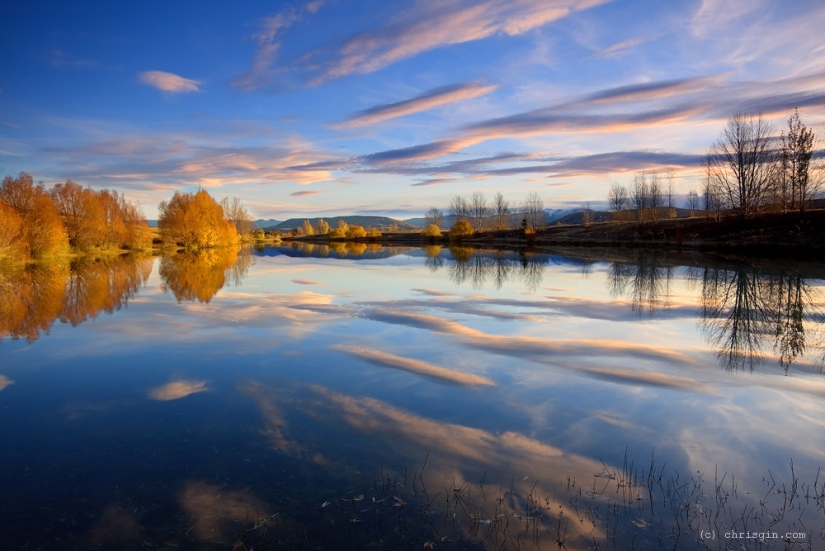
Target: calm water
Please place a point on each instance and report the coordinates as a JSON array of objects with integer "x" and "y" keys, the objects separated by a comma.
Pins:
[{"x": 360, "y": 397}]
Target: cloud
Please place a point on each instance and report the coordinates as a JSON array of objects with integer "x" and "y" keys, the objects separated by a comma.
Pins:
[
  {"x": 61, "y": 59},
  {"x": 430, "y": 25},
  {"x": 169, "y": 82},
  {"x": 428, "y": 100},
  {"x": 385, "y": 359},
  {"x": 215, "y": 509},
  {"x": 621, "y": 48},
  {"x": 5, "y": 382},
  {"x": 306, "y": 282},
  {"x": 260, "y": 74},
  {"x": 423, "y": 27},
  {"x": 305, "y": 193},
  {"x": 618, "y": 109},
  {"x": 177, "y": 389},
  {"x": 433, "y": 182}
]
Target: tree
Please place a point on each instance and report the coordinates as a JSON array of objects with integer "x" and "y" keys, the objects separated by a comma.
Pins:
[
  {"x": 356, "y": 231},
  {"x": 323, "y": 227},
  {"x": 82, "y": 212},
  {"x": 617, "y": 200},
  {"x": 43, "y": 227},
  {"x": 13, "y": 242},
  {"x": 501, "y": 210},
  {"x": 534, "y": 210},
  {"x": 797, "y": 181},
  {"x": 459, "y": 208},
  {"x": 655, "y": 195},
  {"x": 587, "y": 215},
  {"x": 195, "y": 220},
  {"x": 742, "y": 164},
  {"x": 479, "y": 211},
  {"x": 307, "y": 228},
  {"x": 641, "y": 196},
  {"x": 340, "y": 232},
  {"x": 434, "y": 217},
  {"x": 235, "y": 212},
  {"x": 693, "y": 201}
]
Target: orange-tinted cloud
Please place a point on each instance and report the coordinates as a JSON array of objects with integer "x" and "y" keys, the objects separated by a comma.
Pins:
[
  {"x": 429, "y": 100},
  {"x": 169, "y": 82}
]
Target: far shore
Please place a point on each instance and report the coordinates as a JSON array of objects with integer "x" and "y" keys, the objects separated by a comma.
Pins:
[{"x": 765, "y": 234}]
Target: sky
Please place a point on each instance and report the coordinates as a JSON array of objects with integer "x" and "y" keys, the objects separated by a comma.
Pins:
[{"x": 336, "y": 107}]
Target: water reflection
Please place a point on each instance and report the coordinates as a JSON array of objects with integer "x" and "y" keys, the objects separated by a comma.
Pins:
[
  {"x": 34, "y": 296},
  {"x": 200, "y": 275},
  {"x": 646, "y": 283},
  {"x": 476, "y": 267},
  {"x": 747, "y": 312}
]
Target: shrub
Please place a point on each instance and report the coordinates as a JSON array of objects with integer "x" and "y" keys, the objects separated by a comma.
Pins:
[
  {"x": 431, "y": 231},
  {"x": 461, "y": 229}
]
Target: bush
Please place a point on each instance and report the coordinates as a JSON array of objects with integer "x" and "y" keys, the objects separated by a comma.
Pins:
[
  {"x": 374, "y": 232},
  {"x": 356, "y": 231},
  {"x": 461, "y": 229},
  {"x": 431, "y": 231}
]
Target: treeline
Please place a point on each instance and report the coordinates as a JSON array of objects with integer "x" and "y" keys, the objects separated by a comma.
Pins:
[
  {"x": 37, "y": 222},
  {"x": 196, "y": 221},
  {"x": 748, "y": 171},
  {"x": 342, "y": 231},
  {"x": 477, "y": 213}
]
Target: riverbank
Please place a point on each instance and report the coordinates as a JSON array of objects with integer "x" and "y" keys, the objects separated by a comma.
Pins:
[{"x": 768, "y": 234}]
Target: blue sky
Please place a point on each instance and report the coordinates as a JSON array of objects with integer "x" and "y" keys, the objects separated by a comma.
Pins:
[{"x": 334, "y": 107}]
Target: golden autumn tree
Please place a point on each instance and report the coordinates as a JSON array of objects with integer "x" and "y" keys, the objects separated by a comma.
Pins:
[
  {"x": 43, "y": 229},
  {"x": 195, "y": 220},
  {"x": 82, "y": 212},
  {"x": 13, "y": 242}
]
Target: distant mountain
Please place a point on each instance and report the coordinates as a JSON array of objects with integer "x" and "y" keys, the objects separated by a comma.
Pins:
[
  {"x": 152, "y": 223},
  {"x": 380, "y": 222},
  {"x": 267, "y": 223}
]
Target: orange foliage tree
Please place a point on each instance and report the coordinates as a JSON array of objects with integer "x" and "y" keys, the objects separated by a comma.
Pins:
[
  {"x": 195, "y": 220},
  {"x": 43, "y": 230}
]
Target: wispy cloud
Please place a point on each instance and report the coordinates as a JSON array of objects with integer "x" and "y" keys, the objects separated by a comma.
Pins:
[
  {"x": 61, "y": 59},
  {"x": 169, "y": 82},
  {"x": 305, "y": 193},
  {"x": 385, "y": 359},
  {"x": 621, "y": 48},
  {"x": 5, "y": 381},
  {"x": 261, "y": 73},
  {"x": 428, "y": 100},
  {"x": 423, "y": 27}
]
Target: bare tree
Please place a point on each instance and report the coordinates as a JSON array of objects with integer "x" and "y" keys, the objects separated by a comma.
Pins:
[
  {"x": 693, "y": 201},
  {"x": 741, "y": 164},
  {"x": 670, "y": 179},
  {"x": 640, "y": 196},
  {"x": 501, "y": 207},
  {"x": 534, "y": 210},
  {"x": 434, "y": 216},
  {"x": 235, "y": 212},
  {"x": 479, "y": 211},
  {"x": 459, "y": 208},
  {"x": 656, "y": 196},
  {"x": 617, "y": 200},
  {"x": 587, "y": 215},
  {"x": 798, "y": 182}
]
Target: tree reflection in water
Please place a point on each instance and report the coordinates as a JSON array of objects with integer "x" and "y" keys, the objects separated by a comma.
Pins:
[
  {"x": 475, "y": 267},
  {"x": 200, "y": 275},
  {"x": 647, "y": 284},
  {"x": 746, "y": 313},
  {"x": 33, "y": 297}
]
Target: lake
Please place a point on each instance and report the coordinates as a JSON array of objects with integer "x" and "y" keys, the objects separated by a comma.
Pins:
[{"x": 359, "y": 397}]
